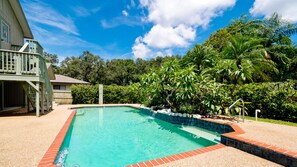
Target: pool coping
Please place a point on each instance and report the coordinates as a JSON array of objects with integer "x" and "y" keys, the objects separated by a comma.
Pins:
[
  {"x": 260, "y": 149},
  {"x": 52, "y": 152},
  {"x": 227, "y": 139},
  {"x": 175, "y": 157}
]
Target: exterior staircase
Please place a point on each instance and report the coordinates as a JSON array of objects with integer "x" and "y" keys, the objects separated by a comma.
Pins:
[{"x": 29, "y": 67}]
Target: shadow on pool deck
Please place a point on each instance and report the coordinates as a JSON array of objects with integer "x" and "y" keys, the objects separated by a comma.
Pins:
[{"x": 20, "y": 112}]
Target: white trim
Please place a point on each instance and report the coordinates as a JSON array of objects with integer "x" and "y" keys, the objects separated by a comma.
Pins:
[{"x": 3, "y": 23}]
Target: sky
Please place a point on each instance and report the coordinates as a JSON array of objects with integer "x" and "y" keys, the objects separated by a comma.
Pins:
[{"x": 138, "y": 28}]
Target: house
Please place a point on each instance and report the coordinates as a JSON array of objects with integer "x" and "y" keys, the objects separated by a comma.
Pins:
[
  {"x": 24, "y": 74},
  {"x": 61, "y": 88}
]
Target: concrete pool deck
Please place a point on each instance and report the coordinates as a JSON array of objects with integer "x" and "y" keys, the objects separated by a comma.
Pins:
[{"x": 25, "y": 139}]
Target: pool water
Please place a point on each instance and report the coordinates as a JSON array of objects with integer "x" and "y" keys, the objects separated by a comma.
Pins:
[{"x": 120, "y": 136}]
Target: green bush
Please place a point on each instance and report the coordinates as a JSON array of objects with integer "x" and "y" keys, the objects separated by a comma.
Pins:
[
  {"x": 275, "y": 100},
  {"x": 112, "y": 94},
  {"x": 84, "y": 94}
]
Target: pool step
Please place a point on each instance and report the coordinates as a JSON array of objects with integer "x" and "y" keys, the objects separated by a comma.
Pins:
[{"x": 80, "y": 113}]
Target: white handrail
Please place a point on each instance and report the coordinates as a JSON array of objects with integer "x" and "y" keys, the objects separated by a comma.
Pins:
[
  {"x": 240, "y": 99},
  {"x": 24, "y": 47}
]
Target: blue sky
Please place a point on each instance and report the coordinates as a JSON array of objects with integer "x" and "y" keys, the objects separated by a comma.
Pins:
[{"x": 138, "y": 28}]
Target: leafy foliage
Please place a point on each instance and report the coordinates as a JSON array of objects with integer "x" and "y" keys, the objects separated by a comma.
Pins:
[
  {"x": 113, "y": 94},
  {"x": 170, "y": 85},
  {"x": 243, "y": 60},
  {"x": 94, "y": 69},
  {"x": 53, "y": 59},
  {"x": 275, "y": 100}
]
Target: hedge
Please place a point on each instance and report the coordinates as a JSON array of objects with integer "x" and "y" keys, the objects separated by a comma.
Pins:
[
  {"x": 275, "y": 100},
  {"x": 112, "y": 94}
]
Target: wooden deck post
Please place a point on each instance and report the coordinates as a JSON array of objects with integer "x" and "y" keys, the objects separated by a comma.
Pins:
[
  {"x": 2, "y": 95},
  {"x": 47, "y": 103},
  {"x": 18, "y": 64},
  {"x": 42, "y": 98},
  {"x": 37, "y": 101}
]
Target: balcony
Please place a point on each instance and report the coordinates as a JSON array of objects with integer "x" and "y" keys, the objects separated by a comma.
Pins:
[
  {"x": 28, "y": 67},
  {"x": 27, "y": 63}
]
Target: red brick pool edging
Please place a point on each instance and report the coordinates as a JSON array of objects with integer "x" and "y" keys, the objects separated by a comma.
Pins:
[
  {"x": 263, "y": 150},
  {"x": 291, "y": 157},
  {"x": 183, "y": 155},
  {"x": 175, "y": 157},
  {"x": 52, "y": 152}
]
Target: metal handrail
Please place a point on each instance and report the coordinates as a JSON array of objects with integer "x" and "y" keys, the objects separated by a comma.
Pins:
[{"x": 240, "y": 99}]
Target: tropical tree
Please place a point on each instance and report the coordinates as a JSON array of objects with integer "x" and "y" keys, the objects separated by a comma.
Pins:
[
  {"x": 243, "y": 61},
  {"x": 218, "y": 39},
  {"x": 201, "y": 56},
  {"x": 170, "y": 86}
]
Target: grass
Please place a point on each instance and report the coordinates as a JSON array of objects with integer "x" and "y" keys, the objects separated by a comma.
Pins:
[{"x": 272, "y": 121}]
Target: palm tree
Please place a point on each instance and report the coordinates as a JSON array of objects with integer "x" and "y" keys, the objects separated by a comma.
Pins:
[
  {"x": 201, "y": 56},
  {"x": 243, "y": 60}
]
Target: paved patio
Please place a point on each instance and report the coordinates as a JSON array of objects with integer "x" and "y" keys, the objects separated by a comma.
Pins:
[
  {"x": 25, "y": 139},
  {"x": 282, "y": 136}
]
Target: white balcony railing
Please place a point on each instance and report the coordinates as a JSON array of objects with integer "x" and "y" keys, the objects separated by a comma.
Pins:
[
  {"x": 28, "y": 61},
  {"x": 20, "y": 63}
]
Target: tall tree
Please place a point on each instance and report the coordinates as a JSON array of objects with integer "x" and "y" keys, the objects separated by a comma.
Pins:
[
  {"x": 87, "y": 67},
  {"x": 201, "y": 56},
  {"x": 53, "y": 59},
  {"x": 121, "y": 72}
]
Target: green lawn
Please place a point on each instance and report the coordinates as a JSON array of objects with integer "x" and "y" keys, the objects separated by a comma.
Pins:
[{"x": 272, "y": 121}]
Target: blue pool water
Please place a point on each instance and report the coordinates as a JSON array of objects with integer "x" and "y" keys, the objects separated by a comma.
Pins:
[{"x": 120, "y": 136}]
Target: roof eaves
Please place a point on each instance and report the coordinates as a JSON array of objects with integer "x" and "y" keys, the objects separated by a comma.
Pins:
[{"x": 17, "y": 8}]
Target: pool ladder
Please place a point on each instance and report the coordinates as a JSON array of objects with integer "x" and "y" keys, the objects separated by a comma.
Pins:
[
  {"x": 81, "y": 113},
  {"x": 241, "y": 111}
]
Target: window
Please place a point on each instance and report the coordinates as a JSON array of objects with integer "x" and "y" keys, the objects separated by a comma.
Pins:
[
  {"x": 4, "y": 31},
  {"x": 59, "y": 87}
]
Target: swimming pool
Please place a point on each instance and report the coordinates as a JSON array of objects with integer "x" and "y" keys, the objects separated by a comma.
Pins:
[{"x": 120, "y": 136}]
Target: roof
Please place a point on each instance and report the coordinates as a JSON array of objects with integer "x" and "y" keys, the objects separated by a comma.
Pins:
[
  {"x": 17, "y": 9},
  {"x": 50, "y": 71},
  {"x": 65, "y": 79}
]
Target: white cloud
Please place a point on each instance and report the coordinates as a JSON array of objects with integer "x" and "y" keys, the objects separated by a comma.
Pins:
[
  {"x": 63, "y": 44},
  {"x": 131, "y": 5},
  {"x": 121, "y": 20},
  {"x": 175, "y": 21},
  {"x": 125, "y": 13},
  {"x": 164, "y": 53},
  {"x": 166, "y": 37},
  {"x": 50, "y": 38},
  {"x": 285, "y": 8},
  {"x": 42, "y": 13},
  {"x": 140, "y": 50},
  {"x": 81, "y": 11},
  {"x": 189, "y": 12}
]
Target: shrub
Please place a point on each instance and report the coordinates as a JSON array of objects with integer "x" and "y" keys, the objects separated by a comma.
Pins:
[
  {"x": 112, "y": 94},
  {"x": 275, "y": 100},
  {"x": 84, "y": 94}
]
